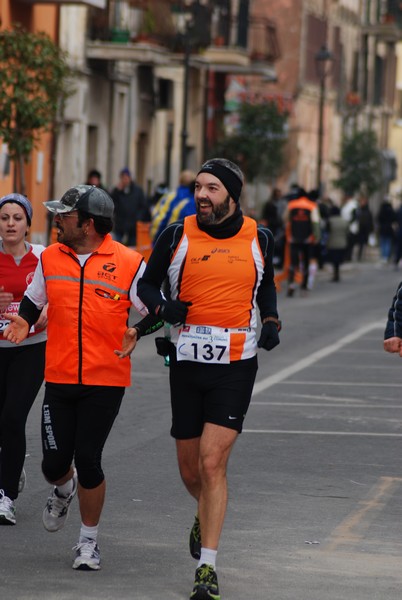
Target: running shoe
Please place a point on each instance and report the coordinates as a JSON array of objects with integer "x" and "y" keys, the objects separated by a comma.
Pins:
[
  {"x": 22, "y": 481},
  {"x": 205, "y": 584},
  {"x": 87, "y": 557},
  {"x": 56, "y": 509},
  {"x": 195, "y": 539},
  {"x": 7, "y": 510}
]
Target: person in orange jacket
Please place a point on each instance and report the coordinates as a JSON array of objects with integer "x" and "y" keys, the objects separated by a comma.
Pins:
[
  {"x": 302, "y": 221},
  {"x": 90, "y": 284}
]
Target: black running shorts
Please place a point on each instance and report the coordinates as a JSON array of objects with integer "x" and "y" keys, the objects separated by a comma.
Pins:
[
  {"x": 76, "y": 422},
  {"x": 202, "y": 393}
]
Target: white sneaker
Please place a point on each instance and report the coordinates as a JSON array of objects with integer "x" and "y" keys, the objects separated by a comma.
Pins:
[
  {"x": 87, "y": 556},
  {"x": 7, "y": 510},
  {"x": 22, "y": 481},
  {"x": 56, "y": 509}
]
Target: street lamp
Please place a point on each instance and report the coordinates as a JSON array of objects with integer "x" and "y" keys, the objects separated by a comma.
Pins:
[
  {"x": 323, "y": 62},
  {"x": 186, "y": 26},
  {"x": 184, "y": 131}
]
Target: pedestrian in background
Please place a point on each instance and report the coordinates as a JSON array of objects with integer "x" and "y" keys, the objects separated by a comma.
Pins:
[
  {"x": 159, "y": 191},
  {"x": 302, "y": 222},
  {"x": 95, "y": 178},
  {"x": 349, "y": 205},
  {"x": 271, "y": 217},
  {"x": 130, "y": 206},
  {"x": 363, "y": 224},
  {"x": 90, "y": 282},
  {"x": 22, "y": 368},
  {"x": 174, "y": 206},
  {"x": 337, "y": 240},
  {"x": 219, "y": 267},
  {"x": 386, "y": 224}
]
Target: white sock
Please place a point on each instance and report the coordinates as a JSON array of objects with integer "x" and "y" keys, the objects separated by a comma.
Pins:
[
  {"x": 312, "y": 271},
  {"x": 208, "y": 557},
  {"x": 88, "y": 533},
  {"x": 65, "y": 490}
]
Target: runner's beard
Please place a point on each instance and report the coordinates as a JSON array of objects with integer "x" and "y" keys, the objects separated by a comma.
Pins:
[{"x": 218, "y": 213}]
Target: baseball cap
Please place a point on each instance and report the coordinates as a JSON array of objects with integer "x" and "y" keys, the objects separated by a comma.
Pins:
[
  {"x": 21, "y": 200},
  {"x": 125, "y": 171},
  {"x": 88, "y": 198}
]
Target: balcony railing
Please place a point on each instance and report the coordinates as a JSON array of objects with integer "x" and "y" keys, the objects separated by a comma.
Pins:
[
  {"x": 255, "y": 37},
  {"x": 388, "y": 26}
]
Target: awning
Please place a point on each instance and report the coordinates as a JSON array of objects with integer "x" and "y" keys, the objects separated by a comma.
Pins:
[
  {"x": 144, "y": 53},
  {"x": 264, "y": 70}
]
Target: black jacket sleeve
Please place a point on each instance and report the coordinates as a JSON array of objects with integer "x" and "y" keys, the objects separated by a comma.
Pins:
[
  {"x": 29, "y": 311},
  {"x": 150, "y": 284},
  {"x": 393, "y": 327},
  {"x": 266, "y": 294}
]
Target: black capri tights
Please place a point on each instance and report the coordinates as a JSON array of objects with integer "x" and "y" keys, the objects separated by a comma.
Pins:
[{"x": 76, "y": 422}]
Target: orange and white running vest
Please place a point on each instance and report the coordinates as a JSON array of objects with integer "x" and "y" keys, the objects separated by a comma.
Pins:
[{"x": 221, "y": 278}]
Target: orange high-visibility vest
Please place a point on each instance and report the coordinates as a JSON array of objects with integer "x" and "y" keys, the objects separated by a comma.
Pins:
[
  {"x": 301, "y": 214},
  {"x": 88, "y": 313}
]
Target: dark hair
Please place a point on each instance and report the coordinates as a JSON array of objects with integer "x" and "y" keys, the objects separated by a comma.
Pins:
[
  {"x": 103, "y": 225},
  {"x": 94, "y": 173},
  {"x": 313, "y": 195}
]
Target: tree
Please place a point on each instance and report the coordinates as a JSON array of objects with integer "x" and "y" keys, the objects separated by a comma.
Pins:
[
  {"x": 258, "y": 142},
  {"x": 34, "y": 83},
  {"x": 360, "y": 166}
]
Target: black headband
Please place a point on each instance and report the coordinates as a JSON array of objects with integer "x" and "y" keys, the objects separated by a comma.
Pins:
[{"x": 229, "y": 178}]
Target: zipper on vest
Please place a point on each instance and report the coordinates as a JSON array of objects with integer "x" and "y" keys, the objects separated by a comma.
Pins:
[
  {"x": 80, "y": 325},
  {"x": 82, "y": 269}
]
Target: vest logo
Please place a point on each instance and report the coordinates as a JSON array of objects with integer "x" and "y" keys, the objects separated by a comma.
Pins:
[
  {"x": 108, "y": 276},
  {"x": 220, "y": 251},
  {"x": 235, "y": 259},
  {"x": 109, "y": 267},
  {"x": 200, "y": 258}
]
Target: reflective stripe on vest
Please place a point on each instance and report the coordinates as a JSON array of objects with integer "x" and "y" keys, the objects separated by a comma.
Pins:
[{"x": 88, "y": 313}]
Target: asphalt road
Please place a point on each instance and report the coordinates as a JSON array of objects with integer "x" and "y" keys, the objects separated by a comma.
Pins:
[{"x": 315, "y": 480}]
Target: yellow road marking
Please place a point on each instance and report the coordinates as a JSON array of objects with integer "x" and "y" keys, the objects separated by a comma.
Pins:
[{"x": 351, "y": 529}]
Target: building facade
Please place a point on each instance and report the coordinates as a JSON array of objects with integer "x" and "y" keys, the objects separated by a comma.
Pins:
[
  {"x": 151, "y": 81},
  {"x": 357, "y": 81},
  {"x": 156, "y": 82},
  {"x": 39, "y": 170}
]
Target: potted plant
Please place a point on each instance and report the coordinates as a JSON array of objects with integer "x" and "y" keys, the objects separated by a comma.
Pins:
[
  {"x": 148, "y": 26},
  {"x": 120, "y": 35}
]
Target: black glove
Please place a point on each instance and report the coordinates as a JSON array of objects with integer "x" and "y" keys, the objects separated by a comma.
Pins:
[
  {"x": 269, "y": 337},
  {"x": 174, "y": 311},
  {"x": 163, "y": 346}
]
